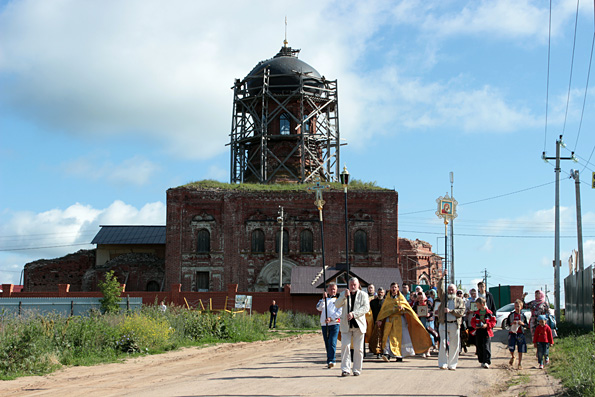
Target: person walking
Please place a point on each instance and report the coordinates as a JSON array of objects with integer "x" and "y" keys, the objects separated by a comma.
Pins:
[
  {"x": 538, "y": 306},
  {"x": 516, "y": 337},
  {"x": 450, "y": 315},
  {"x": 542, "y": 340},
  {"x": 403, "y": 334},
  {"x": 273, "y": 309},
  {"x": 330, "y": 317},
  {"x": 353, "y": 326},
  {"x": 483, "y": 321},
  {"x": 487, "y": 295}
]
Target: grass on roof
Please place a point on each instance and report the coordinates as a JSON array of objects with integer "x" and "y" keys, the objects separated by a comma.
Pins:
[{"x": 209, "y": 184}]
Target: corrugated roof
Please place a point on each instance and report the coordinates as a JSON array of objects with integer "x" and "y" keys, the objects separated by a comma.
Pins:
[
  {"x": 308, "y": 280},
  {"x": 130, "y": 235}
]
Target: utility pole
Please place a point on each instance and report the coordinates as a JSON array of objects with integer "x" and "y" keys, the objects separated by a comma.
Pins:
[
  {"x": 452, "y": 236},
  {"x": 485, "y": 278},
  {"x": 281, "y": 220},
  {"x": 579, "y": 222},
  {"x": 559, "y": 143}
]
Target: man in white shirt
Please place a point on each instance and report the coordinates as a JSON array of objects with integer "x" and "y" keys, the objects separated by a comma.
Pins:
[
  {"x": 329, "y": 321},
  {"x": 353, "y": 326}
]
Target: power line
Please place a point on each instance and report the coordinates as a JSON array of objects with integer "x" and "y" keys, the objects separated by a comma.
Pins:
[
  {"x": 488, "y": 235},
  {"x": 571, "y": 68},
  {"x": 547, "y": 90},
  {"x": 38, "y": 248},
  {"x": 585, "y": 96},
  {"x": 484, "y": 199}
]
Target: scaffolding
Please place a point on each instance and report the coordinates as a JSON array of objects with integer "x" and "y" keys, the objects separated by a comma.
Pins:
[{"x": 259, "y": 152}]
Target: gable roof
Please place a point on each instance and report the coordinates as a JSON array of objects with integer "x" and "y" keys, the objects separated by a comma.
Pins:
[
  {"x": 122, "y": 234},
  {"x": 308, "y": 279}
]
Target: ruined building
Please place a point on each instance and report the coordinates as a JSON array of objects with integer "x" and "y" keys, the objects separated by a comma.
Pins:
[{"x": 284, "y": 137}]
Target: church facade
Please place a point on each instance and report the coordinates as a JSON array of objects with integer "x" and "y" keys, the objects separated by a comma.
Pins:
[{"x": 284, "y": 137}]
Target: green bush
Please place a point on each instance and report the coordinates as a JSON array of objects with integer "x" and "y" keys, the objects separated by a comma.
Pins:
[
  {"x": 34, "y": 344},
  {"x": 294, "y": 320},
  {"x": 141, "y": 333},
  {"x": 111, "y": 290}
]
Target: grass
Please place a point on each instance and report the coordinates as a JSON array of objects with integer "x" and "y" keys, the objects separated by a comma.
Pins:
[
  {"x": 519, "y": 379},
  {"x": 216, "y": 185},
  {"x": 34, "y": 344},
  {"x": 572, "y": 360}
]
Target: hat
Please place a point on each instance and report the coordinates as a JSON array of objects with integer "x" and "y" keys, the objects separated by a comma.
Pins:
[{"x": 541, "y": 317}]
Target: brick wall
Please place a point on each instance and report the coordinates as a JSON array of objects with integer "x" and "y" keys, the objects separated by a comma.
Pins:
[{"x": 230, "y": 216}]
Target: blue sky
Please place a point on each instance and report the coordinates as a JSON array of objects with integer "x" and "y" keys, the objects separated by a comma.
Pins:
[{"x": 104, "y": 105}]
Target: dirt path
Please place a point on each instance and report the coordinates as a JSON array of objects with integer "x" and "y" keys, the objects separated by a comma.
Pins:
[{"x": 291, "y": 366}]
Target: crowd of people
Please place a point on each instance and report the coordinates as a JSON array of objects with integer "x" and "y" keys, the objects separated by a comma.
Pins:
[{"x": 397, "y": 323}]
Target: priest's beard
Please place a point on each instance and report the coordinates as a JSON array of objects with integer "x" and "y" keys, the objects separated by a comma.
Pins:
[{"x": 452, "y": 296}]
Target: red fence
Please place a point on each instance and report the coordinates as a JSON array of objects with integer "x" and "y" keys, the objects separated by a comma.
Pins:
[{"x": 210, "y": 300}]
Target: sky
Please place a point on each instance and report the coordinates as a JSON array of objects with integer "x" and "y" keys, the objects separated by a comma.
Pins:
[{"x": 104, "y": 105}]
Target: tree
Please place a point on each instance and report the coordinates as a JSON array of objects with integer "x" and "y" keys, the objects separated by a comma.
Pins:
[{"x": 111, "y": 290}]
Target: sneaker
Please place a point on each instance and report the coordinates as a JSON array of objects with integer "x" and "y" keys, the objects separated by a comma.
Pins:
[
  {"x": 540, "y": 366},
  {"x": 345, "y": 373},
  {"x": 399, "y": 359},
  {"x": 425, "y": 355},
  {"x": 331, "y": 365},
  {"x": 355, "y": 373},
  {"x": 487, "y": 366},
  {"x": 547, "y": 360},
  {"x": 443, "y": 367},
  {"x": 452, "y": 368},
  {"x": 385, "y": 357},
  {"x": 511, "y": 361}
]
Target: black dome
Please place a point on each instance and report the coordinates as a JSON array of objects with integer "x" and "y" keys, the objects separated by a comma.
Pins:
[{"x": 285, "y": 70}]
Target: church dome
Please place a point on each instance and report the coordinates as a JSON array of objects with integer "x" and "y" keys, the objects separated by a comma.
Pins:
[{"x": 285, "y": 71}]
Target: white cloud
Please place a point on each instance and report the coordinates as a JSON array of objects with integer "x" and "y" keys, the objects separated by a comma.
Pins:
[
  {"x": 164, "y": 72},
  {"x": 28, "y": 236},
  {"x": 133, "y": 171}
]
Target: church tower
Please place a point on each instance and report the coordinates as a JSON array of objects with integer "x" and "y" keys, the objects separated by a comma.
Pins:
[{"x": 285, "y": 123}]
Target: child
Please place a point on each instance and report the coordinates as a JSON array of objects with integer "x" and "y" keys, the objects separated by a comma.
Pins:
[
  {"x": 516, "y": 337},
  {"x": 542, "y": 339},
  {"x": 483, "y": 321}
]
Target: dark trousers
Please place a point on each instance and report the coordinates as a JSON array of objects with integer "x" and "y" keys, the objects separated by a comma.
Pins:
[
  {"x": 330, "y": 341},
  {"x": 543, "y": 352},
  {"x": 484, "y": 346},
  {"x": 273, "y": 320}
]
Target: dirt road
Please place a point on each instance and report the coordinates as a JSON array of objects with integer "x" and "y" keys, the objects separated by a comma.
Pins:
[{"x": 293, "y": 366}]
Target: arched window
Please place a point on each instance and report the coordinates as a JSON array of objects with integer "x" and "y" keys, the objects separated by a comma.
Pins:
[
  {"x": 153, "y": 286},
  {"x": 203, "y": 241},
  {"x": 257, "y": 244},
  {"x": 285, "y": 242},
  {"x": 361, "y": 242},
  {"x": 284, "y": 124},
  {"x": 306, "y": 125},
  {"x": 306, "y": 241}
]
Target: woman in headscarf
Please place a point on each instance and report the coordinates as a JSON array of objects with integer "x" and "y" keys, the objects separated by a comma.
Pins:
[{"x": 538, "y": 307}]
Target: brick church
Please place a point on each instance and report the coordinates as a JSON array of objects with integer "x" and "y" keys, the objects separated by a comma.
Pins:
[{"x": 285, "y": 138}]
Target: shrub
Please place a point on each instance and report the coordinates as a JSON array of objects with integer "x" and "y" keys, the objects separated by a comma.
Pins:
[
  {"x": 111, "y": 290},
  {"x": 138, "y": 332}
]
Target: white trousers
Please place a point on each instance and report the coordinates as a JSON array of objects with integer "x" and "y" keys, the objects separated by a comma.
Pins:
[
  {"x": 453, "y": 333},
  {"x": 358, "y": 350}
]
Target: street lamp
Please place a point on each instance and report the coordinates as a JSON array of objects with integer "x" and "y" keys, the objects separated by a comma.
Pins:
[
  {"x": 345, "y": 181},
  {"x": 280, "y": 219}
]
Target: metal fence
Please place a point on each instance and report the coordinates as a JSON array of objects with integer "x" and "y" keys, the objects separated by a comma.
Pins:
[
  {"x": 579, "y": 301},
  {"x": 62, "y": 306}
]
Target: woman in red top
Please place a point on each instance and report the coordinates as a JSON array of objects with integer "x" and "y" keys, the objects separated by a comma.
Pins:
[{"x": 483, "y": 321}]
